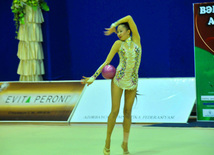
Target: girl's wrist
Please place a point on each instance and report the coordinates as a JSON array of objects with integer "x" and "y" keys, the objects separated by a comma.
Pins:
[
  {"x": 113, "y": 25},
  {"x": 91, "y": 79}
]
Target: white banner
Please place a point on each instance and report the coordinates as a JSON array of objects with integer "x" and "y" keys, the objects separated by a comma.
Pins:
[{"x": 161, "y": 100}]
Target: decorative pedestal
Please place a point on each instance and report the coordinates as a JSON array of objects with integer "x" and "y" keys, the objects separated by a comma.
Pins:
[{"x": 30, "y": 52}]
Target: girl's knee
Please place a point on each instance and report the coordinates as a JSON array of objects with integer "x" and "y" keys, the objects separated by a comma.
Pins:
[
  {"x": 127, "y": 113},
  {"x": 114, "y": 113}
]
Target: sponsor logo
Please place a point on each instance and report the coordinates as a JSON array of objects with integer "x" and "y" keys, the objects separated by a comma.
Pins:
[
  {"x": 40, "y": 99},
  {"x": 207, "y": 98},
  {"x": 137, "y": 117},
  {"x": 161, "y": 117},
  {"x": 208, "y": 103},
  {"x": 208, "y": 112}
]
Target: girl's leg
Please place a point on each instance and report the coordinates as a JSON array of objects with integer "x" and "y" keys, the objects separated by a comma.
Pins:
[
  {"x": 129, "y": 100},
  {"x": 116, "y": 94}
]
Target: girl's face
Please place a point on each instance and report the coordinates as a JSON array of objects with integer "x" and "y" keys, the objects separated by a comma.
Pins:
[{"x": 123, "y": 33}]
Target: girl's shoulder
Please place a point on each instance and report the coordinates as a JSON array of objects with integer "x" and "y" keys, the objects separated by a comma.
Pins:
[{"x": 118, "y": 42}]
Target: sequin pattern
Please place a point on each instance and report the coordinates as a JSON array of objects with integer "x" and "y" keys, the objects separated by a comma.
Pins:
[
  {"x": 135, "y": 69},
  {"x": 127, "y": 70},
  {"x": 120, "y": 73},
  {"x": 97, "y": 73}
]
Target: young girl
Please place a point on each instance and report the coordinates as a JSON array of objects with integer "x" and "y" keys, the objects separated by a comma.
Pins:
[{"x": 128, "y": 48}]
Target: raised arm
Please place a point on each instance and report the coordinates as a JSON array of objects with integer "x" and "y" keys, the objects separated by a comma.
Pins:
[
  {"x": 109, "y": 58},
  {"x": 132, "y": 25}
]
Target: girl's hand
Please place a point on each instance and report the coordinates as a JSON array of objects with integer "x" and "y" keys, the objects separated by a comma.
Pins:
[
  {"x": 87, "y": 80},
  {"x": 110, "y": 30}
]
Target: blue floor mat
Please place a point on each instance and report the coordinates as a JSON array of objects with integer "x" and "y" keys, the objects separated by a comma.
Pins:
[{"x": 189, "y": 124}]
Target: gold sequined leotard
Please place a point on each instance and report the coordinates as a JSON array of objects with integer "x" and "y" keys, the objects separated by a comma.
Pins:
[{"x": 126, "y": 76}]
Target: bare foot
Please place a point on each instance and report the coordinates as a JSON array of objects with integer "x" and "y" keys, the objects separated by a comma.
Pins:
[
  {"x": 125, "y": 147},
  {"x": 107, "y": 146}
]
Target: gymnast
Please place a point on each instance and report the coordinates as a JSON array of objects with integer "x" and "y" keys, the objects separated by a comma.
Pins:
[{"x": 129, "y": 50}]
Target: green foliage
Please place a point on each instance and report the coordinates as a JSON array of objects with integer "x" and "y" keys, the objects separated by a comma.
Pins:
[
  {"x": 45, "y": 6},
  {"x": 18, "y": 8}
]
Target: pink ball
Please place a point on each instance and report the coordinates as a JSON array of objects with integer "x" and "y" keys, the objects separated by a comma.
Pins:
[{"x": 108, "y": 72}]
